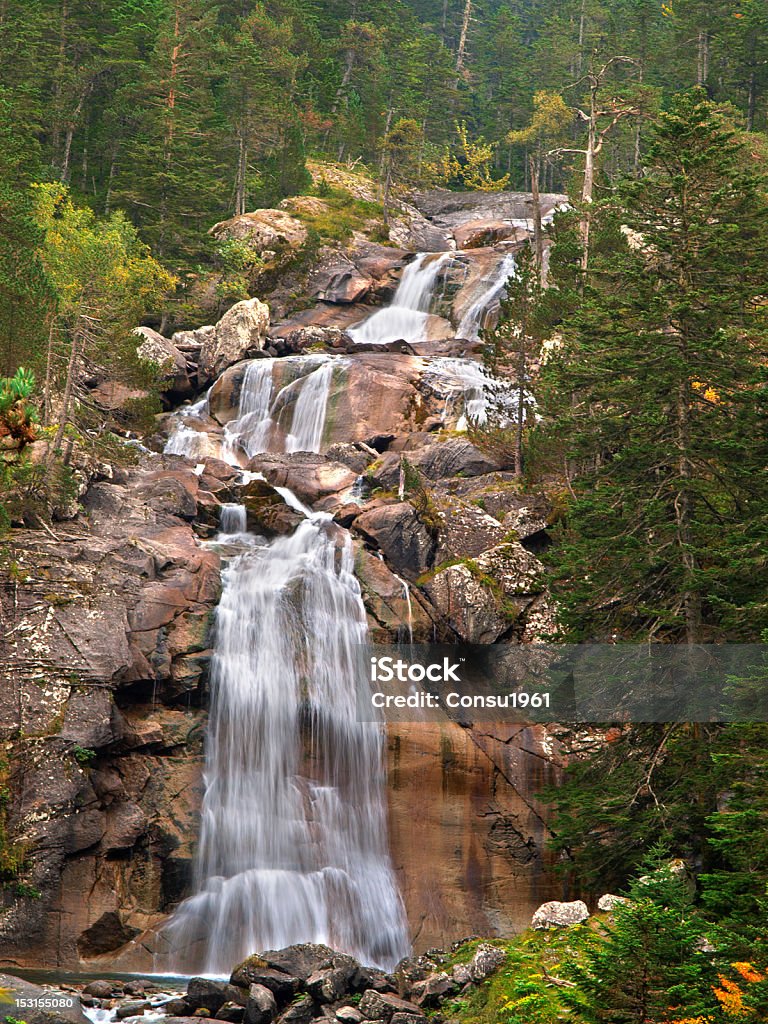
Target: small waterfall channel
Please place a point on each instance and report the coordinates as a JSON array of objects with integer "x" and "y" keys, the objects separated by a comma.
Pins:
[{"x": 293, "y": 844}]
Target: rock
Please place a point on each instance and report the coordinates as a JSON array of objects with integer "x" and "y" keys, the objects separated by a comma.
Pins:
[
  {"x": 261, "y": 1006},
  {"x": 475, "y": 234},
  {"x": 271, "y": 230},
  {"x": 488, "y": 597},
  {"x": 466, "y": 531},
  {"x": 312, "y": 337},
  {"x": 131, "y": 1010},
  {"x": 400, "y": 535},
  {"x": 340, "y": 282},
  {"x": 461, "y": 974},
  {"x": 355, "y": 455},
  {"x": 99, "y": 989},
  {"x": 314, "y": 479},
  {"x": 407, "y": 1018},
  {"x": 134, "y": 988},
  {"x": 432, "y": 990},
  {"x": 231, "y": 1012},
  {"x": 66, "y": 1008},
  {"x": 171, "y": 364},
  {"x": 254, "y": 971},
  {"x": 301, "y": 1011},
  {"x": 609, "y": 902},
  {"x": 328, "y": 985},
  {"x": 560, "y": 915},
  {"x": 176, "y": 1008},
  {"x": 485, "y": 962},
  {"x": 240, "y": 333},
  {"x": 205, "y": 992},
  {"x": 382, "y": 1006},
  {"x": 349, "y": 1015},
  {"x": 267, "y": 511},
  {"x": 192, "y": 341}
]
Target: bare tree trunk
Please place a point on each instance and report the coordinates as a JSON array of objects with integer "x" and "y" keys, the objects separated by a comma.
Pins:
[
  {"x": 110, "y": 179},
  {"x": 683, "y": 503},
  {"x": 461, "y": 52},
  {"x": 582, "y": 28},
  {"x": 48, "y": 375},
  {"x": 242, "y": 170},
  {"x": 58, "y": 81},
  {"x": 751, "y": 100},
  {"x": 702, "y": 60},
  {"x": 74, "y": 354},
  {"x": 534, "y": 162}
]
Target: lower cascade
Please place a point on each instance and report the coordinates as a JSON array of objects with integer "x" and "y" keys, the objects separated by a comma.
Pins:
[{"x": 293, "y": 844}]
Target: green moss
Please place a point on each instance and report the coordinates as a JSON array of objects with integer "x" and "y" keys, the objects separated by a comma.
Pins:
[{"x": 344, "y": 215}]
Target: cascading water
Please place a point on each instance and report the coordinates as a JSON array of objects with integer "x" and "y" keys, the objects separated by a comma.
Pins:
[
  {"x": 407, "y": 316},
  {"x": 475, "y": 316},
  {"x": 293, "y": 844}
]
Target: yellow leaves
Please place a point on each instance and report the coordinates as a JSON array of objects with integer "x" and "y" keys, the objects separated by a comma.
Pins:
[
  {"x": 708, "y": 393},
  {"x": 473, "y": 165},
  {"x": 730, "y": 997},
  {"x": 748, "y": 972},
  {"x": 668, "y": 10},
  {"x": 550, "y": 120}
]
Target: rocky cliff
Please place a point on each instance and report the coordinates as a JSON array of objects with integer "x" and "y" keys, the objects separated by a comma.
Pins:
[{"x": 106, "y": 620}]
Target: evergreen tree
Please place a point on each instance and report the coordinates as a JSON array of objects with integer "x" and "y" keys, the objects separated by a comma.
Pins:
[
  {"x": 648, "y": 968},
  {"x": 657, "y": 398}
]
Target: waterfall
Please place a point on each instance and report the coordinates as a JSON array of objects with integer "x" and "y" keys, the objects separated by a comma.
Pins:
[
  {"x": 260, "y": 415},
  {"x": 407, "y": 316},
  {"x": 185, "y": 440},
  {"x": 475, "y": 316},
  {"x": 293, "y": 844}
]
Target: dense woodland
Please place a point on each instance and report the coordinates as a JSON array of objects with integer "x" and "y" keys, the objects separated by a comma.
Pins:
[{"x": 127, "y": 128}]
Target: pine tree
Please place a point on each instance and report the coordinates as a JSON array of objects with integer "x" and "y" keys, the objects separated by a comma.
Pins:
[
  {"x": 648, "y": 968},
  {"x": 658, "y": 398}
]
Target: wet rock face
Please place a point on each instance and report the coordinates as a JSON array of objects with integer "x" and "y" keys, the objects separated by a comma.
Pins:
[{"x": 103, "y": 676}]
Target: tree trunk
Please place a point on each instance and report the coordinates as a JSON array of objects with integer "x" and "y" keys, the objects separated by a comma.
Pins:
[
  {"x": 582, "y": 28},
  {"x": 702, "y": 60},
  {"x": 74, "y": 354},
  {"x": 58, "y": 81},
  {"x": 110, "y": 179},
  {"x": 242, "y": 170},
  {"x": 48, "y": 375},
  {"x": 683, "y": 505},
  {"x": 461, "y": 52},
  {"x": 751, "y": 100},
  {"x": 534, "y": 162}
]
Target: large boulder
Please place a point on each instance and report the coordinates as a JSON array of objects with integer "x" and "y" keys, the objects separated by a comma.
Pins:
[
  {"x": 261, "y": 1006},
  {"x": 382, "y": 1006},
  {"x": 437, "y": 460},
  {"x": 314, "y": 479},
  {"x": 398, "y": 532},
  {"x": 240, "y": 333},
  {"x": 475, "y": 234},
  {"x": 264, "y": 230},
  {"x": 560, "y": 915},
  {"x": 37, "y": 1005},
  {"x": 171, "y": 364},
  {"x": 267, "y": 511},
  {"x": 339, "y": 281}
]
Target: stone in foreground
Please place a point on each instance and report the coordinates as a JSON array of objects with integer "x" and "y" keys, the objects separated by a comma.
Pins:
[{"x": 560, "y": 915}]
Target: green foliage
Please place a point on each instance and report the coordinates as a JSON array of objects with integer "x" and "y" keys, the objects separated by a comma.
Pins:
[
  {"x": 421, "y": 498},
  {"x": 647, "y": 967},
  {"x": 657, "y": 397},
  {"x": 83, "y": 755}
]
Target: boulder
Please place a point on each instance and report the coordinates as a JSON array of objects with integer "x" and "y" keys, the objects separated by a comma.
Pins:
[
  {"x": 261, "y": 1007},
  {"x": 37, "y": 1005},
  {"x": 134, "y": 1009},
  {"x": 192, "y": 341},
  {"x": 432, "y": 990},
  {"x": 240, "y": 333},
  {"x": 485, "y": 962},
  {"x": 400, "y": 535},
  {"x": 267, "y": 511},
  {"x": 466, "y": 531},
  {"x": 475, "y": 234},
  {"x": 314, "y": 479},
  {"x": 171, "y": 364},
  {"x": 329, "y": 984},
  {"x": 270, "y": 230},
  {"x": 205, "y": 992},
  {"x": 609, "y": 902},
  {"x": 299, "y": 339},
  {"x": 560, "y": 915},
  {"x": 349, "y": 1015},
  {"x": 383, "y": 1006},
  {"x": 99, "y": 989},
  {"x": 437, "y": 460},
  {"x": 297, "y": 961},
  {"x": 233, "y": 1013},
  {"x": 355, "y": 455},
  {"x": 301, "y": 1011},
  {"x": 340, "y": 283}
]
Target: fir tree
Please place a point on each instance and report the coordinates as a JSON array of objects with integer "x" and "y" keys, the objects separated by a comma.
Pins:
[{"x": 658, "y": 398}]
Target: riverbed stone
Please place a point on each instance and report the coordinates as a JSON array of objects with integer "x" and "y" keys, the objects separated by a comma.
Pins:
[
  {"x": 261, "y": 1007},
  {"x": 556, "y": 914}
]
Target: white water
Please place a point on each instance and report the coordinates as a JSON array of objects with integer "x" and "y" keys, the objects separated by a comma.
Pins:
[
  {"x": 185, "y": 440},
  {"x": 262, "y": 415},
  {"x": 293, "y": 844},
  {"x": 407, "y": 316},
  {"x": 487, "y": 301}
]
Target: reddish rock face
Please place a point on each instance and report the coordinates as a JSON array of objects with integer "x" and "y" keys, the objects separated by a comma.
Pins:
[{"x": 467, "y": 831}]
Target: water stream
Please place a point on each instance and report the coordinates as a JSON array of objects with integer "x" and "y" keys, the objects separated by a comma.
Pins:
[{"x": 293, "y": 844}]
